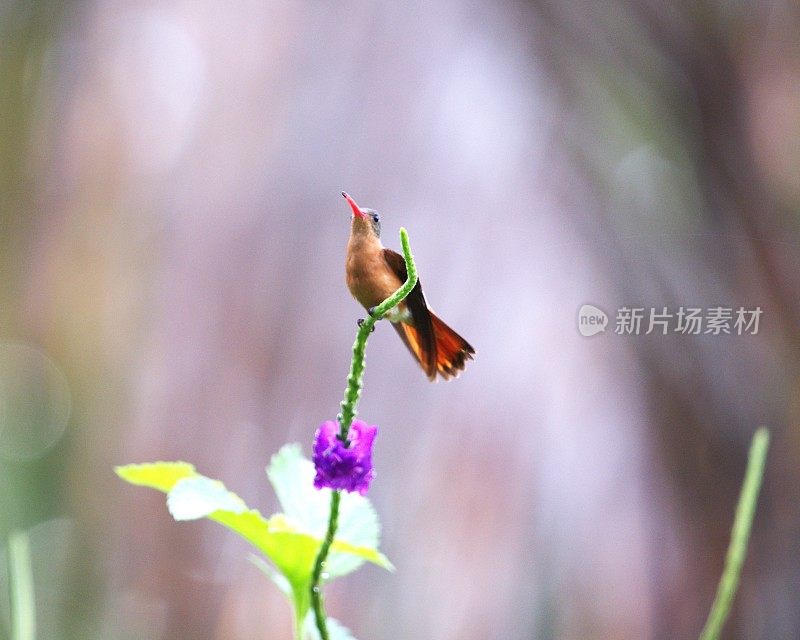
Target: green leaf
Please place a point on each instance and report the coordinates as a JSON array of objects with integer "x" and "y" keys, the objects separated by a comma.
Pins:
[
  {"x": 346, "y": 550},
  {"x": 198, "y": 497},
  {"x": 191, "y": 496},
  {"x": 156, "y": 475},
  {"x": 281, "y": 524},
  {"x": 251, "y": 525},
  {"x": 293, "y": 553},
  {"x": 285, "y": 540},
  {"x": 291, "y": 550},
  {"x": 292, "y": 477}
]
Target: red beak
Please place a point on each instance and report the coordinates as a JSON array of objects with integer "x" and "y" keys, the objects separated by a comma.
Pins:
[{"x": 356, "y": 209}]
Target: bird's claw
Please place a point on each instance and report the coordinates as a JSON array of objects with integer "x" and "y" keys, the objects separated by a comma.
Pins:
[{"x": 360, "y": 322}]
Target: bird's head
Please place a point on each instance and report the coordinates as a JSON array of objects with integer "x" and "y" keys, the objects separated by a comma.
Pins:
[{"x": 364, "y": 220}]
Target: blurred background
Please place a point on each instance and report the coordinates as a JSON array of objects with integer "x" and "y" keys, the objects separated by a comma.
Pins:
[{"x": 172, "y": 287}]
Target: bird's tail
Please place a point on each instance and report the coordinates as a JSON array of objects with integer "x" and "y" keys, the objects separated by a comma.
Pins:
[
  {"x": 452, "y": 351},
  {"x": 437, "y": 348}
]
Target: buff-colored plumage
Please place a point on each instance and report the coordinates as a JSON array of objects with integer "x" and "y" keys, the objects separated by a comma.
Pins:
[{"x": 374, "y": 273}]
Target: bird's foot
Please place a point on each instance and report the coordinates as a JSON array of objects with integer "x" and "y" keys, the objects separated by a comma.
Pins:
[{"x": 361, "y": 321}]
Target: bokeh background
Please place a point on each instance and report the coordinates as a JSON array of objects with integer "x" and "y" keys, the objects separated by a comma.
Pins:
[{"x": 171, "y": 287}]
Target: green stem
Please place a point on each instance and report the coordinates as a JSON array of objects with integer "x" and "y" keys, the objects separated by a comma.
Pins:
[
  {"x": 742, "y": 524},
  {"x": 355, "y": 379},
  {"x": 20, "y": 578},
  {"x": 352, "y": 394},
  {"x": 316, "y": 576}
]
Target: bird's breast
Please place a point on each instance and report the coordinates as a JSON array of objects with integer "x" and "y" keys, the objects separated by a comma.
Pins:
[{"x": 369, "y": 277}]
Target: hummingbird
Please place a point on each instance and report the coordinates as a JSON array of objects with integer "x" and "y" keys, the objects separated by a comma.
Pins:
[{"x": 374, "y": 273}]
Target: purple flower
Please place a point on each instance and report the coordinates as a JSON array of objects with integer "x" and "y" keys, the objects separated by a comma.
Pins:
[{"x": 341, "y": 467}]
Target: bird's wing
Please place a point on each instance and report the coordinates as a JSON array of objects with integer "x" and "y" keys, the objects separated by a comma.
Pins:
[{"x": 417, "y": 335}]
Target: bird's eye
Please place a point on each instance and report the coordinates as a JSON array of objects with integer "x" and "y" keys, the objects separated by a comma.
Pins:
[{"x": 376, "y": 217}]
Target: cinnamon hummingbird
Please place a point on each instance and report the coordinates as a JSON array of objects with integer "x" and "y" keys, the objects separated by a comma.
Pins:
[{"x": 374, "y": 273}]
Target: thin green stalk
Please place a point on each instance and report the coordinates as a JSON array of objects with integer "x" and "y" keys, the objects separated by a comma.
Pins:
[
  {"x": 355, "y": 379},
  {"x": 742, "y": 524},
  {"x": 349, "y": 406},
  {"x": 20, "y": 580},
  {"x": 316, "y": 576}
]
